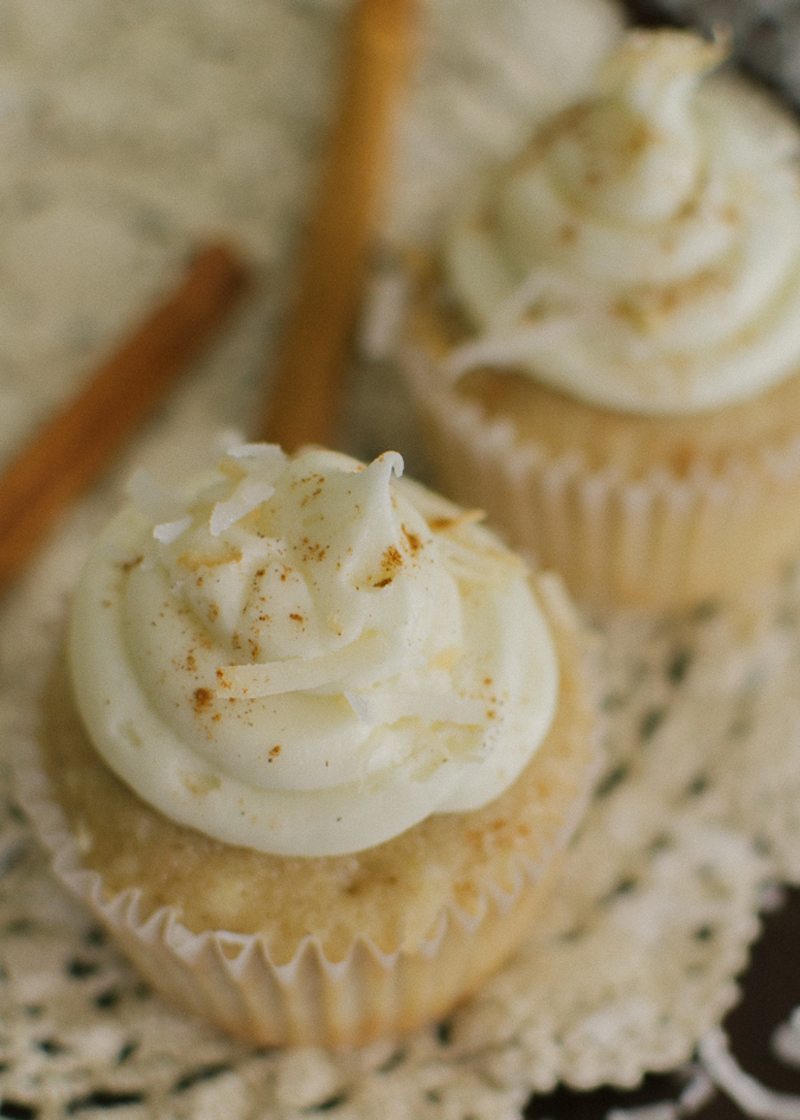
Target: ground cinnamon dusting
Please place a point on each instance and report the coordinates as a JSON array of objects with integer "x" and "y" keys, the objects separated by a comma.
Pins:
[
  {"x": 202, "y": 698},
  {"x": 414, "y": 543}
]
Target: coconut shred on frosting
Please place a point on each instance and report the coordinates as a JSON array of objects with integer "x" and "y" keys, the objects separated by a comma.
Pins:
[
  {"x": 308, "y": 656},
  {"x": 644, "y": 253}
]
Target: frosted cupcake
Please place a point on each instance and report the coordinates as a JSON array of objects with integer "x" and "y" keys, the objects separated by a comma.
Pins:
[
  {"x": 607, "y": 357},
  {"x": 331, "y": 740}
]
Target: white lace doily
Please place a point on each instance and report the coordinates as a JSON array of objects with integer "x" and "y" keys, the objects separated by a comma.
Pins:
[
  {"x": 127, "y": 131},
  {"x": 634, "y": 963}
]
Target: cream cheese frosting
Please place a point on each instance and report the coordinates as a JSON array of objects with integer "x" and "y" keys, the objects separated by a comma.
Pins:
[
  {"x": 644, "y": 253},
  {"x": 307, "y": 656}
]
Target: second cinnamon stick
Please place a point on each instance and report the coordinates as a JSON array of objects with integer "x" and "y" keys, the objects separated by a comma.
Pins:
[
  {"x": 306, "y": 389},
  {"x": 73, "y": 448}
]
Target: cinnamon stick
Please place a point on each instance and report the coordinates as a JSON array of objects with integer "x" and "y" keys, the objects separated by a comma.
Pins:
[
  {"x": 74, "y": 447},
  {"x": 308, "y": 379}
]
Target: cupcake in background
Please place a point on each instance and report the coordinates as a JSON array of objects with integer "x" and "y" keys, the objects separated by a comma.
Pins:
[
  {"x": 486, "y": 69},
  {"x": 332, "y": 739},
  {"x": 607, "y": 353}
]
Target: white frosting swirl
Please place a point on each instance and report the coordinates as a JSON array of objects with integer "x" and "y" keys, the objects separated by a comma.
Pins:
[
  {"x": 308, "y": 656},
  {"x": 644, "y": 254}
]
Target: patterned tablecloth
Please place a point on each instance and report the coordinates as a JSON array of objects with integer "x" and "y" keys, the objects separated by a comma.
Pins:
[{"x": 128, "y": 133}]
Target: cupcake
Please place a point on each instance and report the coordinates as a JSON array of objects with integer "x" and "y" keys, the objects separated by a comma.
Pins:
[
  {"x": 315, "y": 745},
  {"x": 606, "y": 353}
]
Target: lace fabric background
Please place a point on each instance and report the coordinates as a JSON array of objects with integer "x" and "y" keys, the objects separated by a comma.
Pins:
[{"x": 128, "y": 132}]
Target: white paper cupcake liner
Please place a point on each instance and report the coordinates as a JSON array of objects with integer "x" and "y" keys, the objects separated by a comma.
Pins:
[
  {"x": 232, "y": 979},
  {"x": 657, "y": 541}
]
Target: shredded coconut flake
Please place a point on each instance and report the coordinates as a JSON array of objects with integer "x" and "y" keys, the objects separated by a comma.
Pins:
[
  {"x": 271, "y": 678},
  {"x": 247, "y": 496},
  {"x": 387, "y": 707},
  {"x": 169, "y": 531},
  {"x": 269, "y": 453}
]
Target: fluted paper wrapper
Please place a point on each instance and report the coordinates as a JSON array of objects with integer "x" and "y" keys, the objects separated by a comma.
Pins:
[
  {"x": 231, "y": 980},
  {"x": 657, "y": 541},
  {"x": 242, "y": 985}
]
